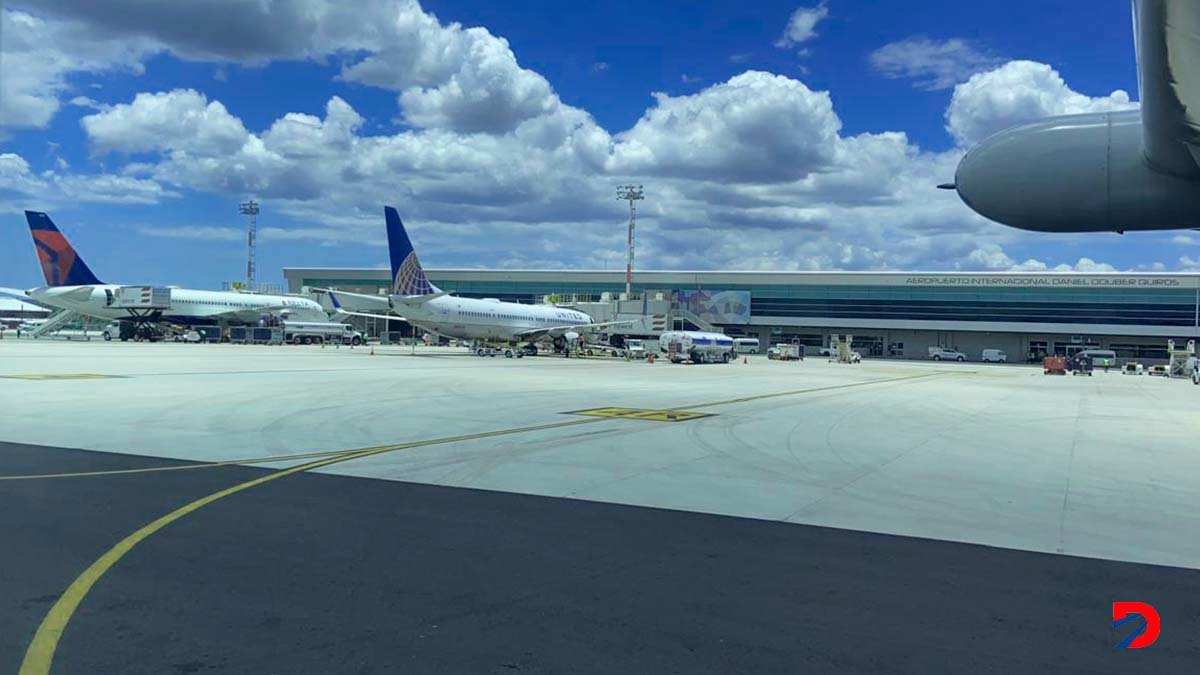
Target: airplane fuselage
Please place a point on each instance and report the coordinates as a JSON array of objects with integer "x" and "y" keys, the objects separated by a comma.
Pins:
[
  {"x": 474, "y": 319},
  {"x": 188, "y": 306}
]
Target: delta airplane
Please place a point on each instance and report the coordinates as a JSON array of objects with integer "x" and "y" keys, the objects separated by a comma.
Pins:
[
  {"x": 429, "y": 308},
  {"x": 71, "y": 285}
]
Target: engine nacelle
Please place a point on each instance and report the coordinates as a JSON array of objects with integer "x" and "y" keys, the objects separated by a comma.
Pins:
[
  {"x": 571, "y": 336},
  {"x": 1080, "y": 173}
]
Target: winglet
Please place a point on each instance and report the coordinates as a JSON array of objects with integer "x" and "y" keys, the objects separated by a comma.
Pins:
[
  {"x": 61, "y": 265},
  {"x": 407, "y": 276}
]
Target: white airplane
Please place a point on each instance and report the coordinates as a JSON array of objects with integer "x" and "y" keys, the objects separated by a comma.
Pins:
[
  {"x": 429, "y": 308},
  {"x": 71, "y": 285}
]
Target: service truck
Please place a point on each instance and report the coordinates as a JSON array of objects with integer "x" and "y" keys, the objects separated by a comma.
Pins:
[
  {"x": 317, "y": 332},
  {"x": 696, "y": 346}
]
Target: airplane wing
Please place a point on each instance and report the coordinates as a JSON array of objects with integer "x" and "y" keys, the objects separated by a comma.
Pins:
[
  {"x": 337, "y": 306},
  {"x": 1167, "y": 39},
  {"x": 547, "y": 330},
  {"x": 374, "y": 298},
  {"x": 388, "y": 317},
  {"x": 249, "y": 314}
]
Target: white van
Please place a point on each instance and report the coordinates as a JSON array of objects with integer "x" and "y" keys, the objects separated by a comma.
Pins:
[
  {"x": 994, "y": 356},
  {"x": 745, "y": 345}
]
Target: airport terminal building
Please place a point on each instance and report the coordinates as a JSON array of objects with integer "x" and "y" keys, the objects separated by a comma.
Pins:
[{"x": 890, "y": 314}]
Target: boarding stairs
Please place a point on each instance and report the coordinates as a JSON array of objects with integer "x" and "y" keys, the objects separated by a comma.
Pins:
[
  {"x": 55, "y": 322},
  {"x": 679, "y": 312}
]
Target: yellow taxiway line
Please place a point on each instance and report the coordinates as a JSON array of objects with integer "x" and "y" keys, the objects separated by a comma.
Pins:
[{"x": 39, "y": 656}]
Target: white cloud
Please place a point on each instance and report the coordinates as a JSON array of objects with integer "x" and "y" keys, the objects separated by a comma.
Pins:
[
  {"x": 36, "y": 57},
  {"x": 21, "y": 187},
  {"x": 931, "y": 64},
  {"x": 802, "y": 25},
  {"x": 748, "y": 173},
  {"x": 751, "y": 172},
  {"x": 203, "y": 232},
  {"x": 182, "y": 120},
  {"x": 1189, "y": 264},
  {"x": 447, "y": 76},
  {"x": 991, "y": 256},
  {"x": 756, "y": 127},
  {"x": 1015, "y": 93},
  {"x": 1186, "y": 240}
]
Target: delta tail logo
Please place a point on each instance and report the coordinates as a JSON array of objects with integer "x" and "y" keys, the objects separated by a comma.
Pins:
[
  {"x": 56, "y": 255},
  {"x": 61, "y": 265}
]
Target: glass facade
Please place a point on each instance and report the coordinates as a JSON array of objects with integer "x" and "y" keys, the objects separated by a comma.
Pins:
[{"x": 1126, "y": 300}]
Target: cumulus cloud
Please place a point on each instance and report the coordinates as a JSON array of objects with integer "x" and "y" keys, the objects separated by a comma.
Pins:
[
  {"x": 1015, "y": 93},
  {"x": 991, "y": 256},
  {"x": 37, "y": 56},
  {"x": 182, "y": 119},
  {"x": 751, "y": 172},
  {"x": 931, "y": 64},
  {"x": 756, "y": 127},
  {"x": 802, "y": 25},
  {"x": 203, "y": 232},
  {"x": 748, "y": 173},
  {"x": 20, "y": 185},
  {"x": 447, "y": 76}
]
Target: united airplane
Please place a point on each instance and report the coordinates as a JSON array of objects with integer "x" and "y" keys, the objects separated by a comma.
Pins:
[{"x": 426, "y": 306}]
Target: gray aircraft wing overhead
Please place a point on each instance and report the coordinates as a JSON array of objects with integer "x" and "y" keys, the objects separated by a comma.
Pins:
[
  {"x": 1111, "y": 171},
  {"x": 1167, "y": 35}
]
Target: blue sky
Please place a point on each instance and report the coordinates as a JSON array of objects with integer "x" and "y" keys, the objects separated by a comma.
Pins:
[{"x": 501, "y": 140}]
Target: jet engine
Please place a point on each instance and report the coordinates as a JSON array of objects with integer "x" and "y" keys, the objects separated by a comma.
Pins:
[{"x": 1079, "y": 173}]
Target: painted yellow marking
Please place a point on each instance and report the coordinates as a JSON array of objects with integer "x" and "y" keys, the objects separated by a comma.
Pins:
[
  {"x": 655, "y": 415},
  {"x": 814, "y": 390},
  {"x": 40, "y": 654},
  {"x": 683, "y": 412},
  {"x": 61, "y": 376},
  {"x": 631, "y": 413}
]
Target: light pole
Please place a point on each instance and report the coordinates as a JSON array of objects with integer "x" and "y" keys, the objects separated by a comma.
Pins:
[
  {"x": 250, "y": 208},
  {"x": 632, "y": 194}
]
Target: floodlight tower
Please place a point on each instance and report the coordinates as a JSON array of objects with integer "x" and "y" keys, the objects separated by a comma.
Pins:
[
  {"x": 632, "y": 194},
  {"x": 250, "y": 208}
]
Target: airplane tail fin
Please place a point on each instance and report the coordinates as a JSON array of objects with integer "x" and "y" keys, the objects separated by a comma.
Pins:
[
  {"x": 407, "y": 276},
  {"x": 61, "y": 264}
]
